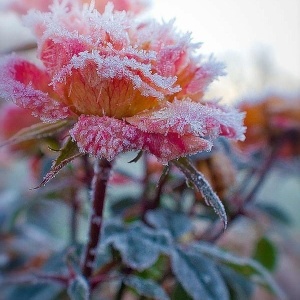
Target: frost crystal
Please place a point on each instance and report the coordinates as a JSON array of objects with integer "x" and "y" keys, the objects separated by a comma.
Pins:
[
  {"x": 130, "y": 85},
  {"x": 135, "y": 6}
]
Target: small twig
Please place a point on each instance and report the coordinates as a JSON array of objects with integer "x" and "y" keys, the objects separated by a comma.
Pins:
[
  {"x": 161, "y": 183},
  {"x": 101, "y": 278},
  {"x": 74, "y": 215},
  {"x": 101, "y": 175},
  {"x": 64, "y": 280},
  {"x": 265, "y": 170}
]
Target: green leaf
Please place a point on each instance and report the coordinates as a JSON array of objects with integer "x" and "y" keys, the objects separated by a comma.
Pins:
[
  {"x": 139, "y": 245},
  {"x": 122, "y": 204},
  {"x": 73, "y": 257},
  {"x": 146, "y": 287},
  {"x": 175, "y": 223},
  {"x": 156, "y": 271},
  {"x": 240, "y": 287},
  {"x": 78, "y": 289},
  {"x": 179, "y": 293},
  {"x": 68, "y": 153},
  {"x": 32, "y": 292},
  {"x": 198, "y": 180},
  {"x": 37, "y": 131},
  {"x": 266, "y": 253},
  {"x": 245, "y": 266},
  {"x": 198, "y": 275}
]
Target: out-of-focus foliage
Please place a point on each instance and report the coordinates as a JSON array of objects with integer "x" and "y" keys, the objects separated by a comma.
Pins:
[{"x": 159, "y": 239}]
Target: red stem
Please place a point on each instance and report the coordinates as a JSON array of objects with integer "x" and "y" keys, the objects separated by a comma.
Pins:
[{"x": 102, "y": 170}]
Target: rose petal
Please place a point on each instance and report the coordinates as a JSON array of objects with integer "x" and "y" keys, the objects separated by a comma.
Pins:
[
  {"x": 27, "y": 86},
  {"x": 106, "y": 137},
  {"x": 187, "y": 117},
  {"x": 111, "y": 84}
]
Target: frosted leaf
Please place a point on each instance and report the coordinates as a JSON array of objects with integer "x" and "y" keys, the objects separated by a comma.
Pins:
[
  {"x": 107, "y": 137},
  {"x": 36, "y": 131},
  {"x": 175, "y": 223},
  {"x": 198, "y": 275},
  {"x": 187, "y": 117},
  {"x": 146, "y": 287},
  {"x": 27, "y": 86},
  {"x": 138, "y": 244},
  {"x": 78, "y": 288},
  {"x": 252, "y": 266},
  {"x": 68, "y": 153},
  {"x": 202, "y": 186}
]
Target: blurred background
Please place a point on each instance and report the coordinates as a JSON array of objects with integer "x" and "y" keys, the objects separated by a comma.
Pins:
[{"x": 259, "y": 41}]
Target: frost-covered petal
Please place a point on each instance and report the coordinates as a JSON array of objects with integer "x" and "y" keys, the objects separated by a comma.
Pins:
[
  {"x": 134, "y": 6},
  {"x": 104, "y": 136},
  {"x": 22, "y": 6},
  {"x": 193, "y": 73},
  {"x": 27, "y": 86},
  {"x": 110, "y": 85},
  {"x": 187, "y": 117},
  {"x": 195, "y": 78},
  {"x": 107, "y": 137},
  {"x": 95, "y": 63},
  {"x": 172, "y": 146}
]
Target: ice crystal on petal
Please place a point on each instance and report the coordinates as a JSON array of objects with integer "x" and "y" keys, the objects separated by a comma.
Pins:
[
  {"x": 21, "y": 81},
  {"x": 104, "y": 137},
  {"x": 111, "y": 66},
  {"x": 193, "y": 74},
  {"x": 133, "y": 85},
  {"x": 107, "y": 137},
  {"x": 187, "y": 117},
  {"x": 22, "y": 6}
]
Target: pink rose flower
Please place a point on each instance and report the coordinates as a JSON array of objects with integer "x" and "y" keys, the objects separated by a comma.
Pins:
[
  {"x": 12, "y": 120},
  {"x": 23, "y": 6},
  {"x": 128, "y": 85}
]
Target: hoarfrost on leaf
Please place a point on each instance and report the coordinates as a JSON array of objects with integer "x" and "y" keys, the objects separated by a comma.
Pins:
[
  {"x": 146, "y": 287},
  {"x": 198, "y": 275},
  {"x": 78, "y": 289},
  {"x": 225, "y": 257},
  {"x": 203, "y": 186},
  {"x": 175, "y": 223},
  {"x": 138, "y": 244}
]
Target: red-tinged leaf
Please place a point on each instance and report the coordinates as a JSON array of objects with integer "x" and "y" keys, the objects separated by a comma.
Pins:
[
  {"x": 37, "y": 131},
  {"x": 68, "y": 153},
  {"x": 198, "y": 180}
]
